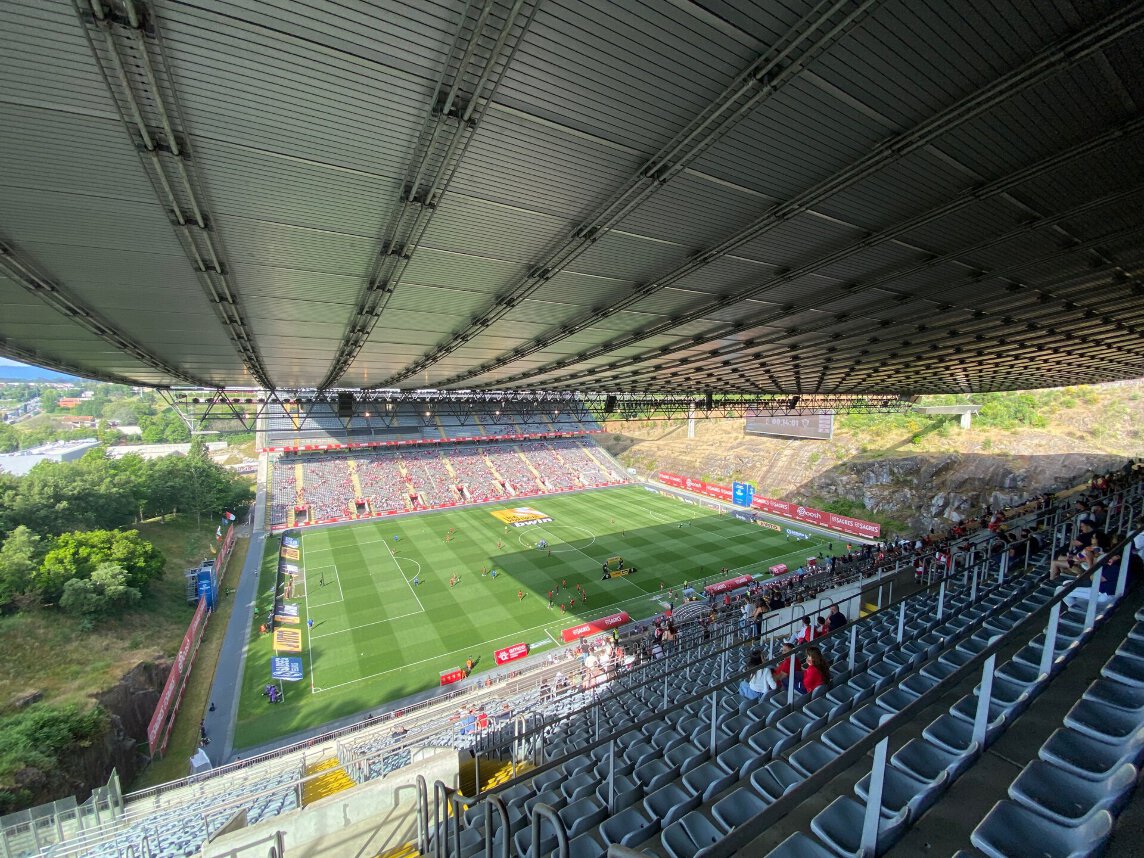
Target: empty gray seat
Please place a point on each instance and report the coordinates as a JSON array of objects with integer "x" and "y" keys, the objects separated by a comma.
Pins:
[
  {"x": 926, "y": 761},
  {"x": 811, "y": 757},
  {"x": 629, "y": 827},
  {"x": 842, "y": 735},
  {"x": 709, "y": 779},
  {"x": 951, "y": 734},
  {"x": 582, "y": 815},
  {"x": 682, "y": 839},
  {"x": 1124, "y": 669},
  {"x": 775, "y": 779},
  {"x": 625, "y": 791},
  {"x": 578, "y": 786},
  {"x": 654, "y": 774},
  {"x": 903, "y": 791},
  {"x": 1011, "y": 830},
  {"x": 1067, "y": 798},
  {"x": 800, "y": 845},
  {"x": 1107, "y": 723},
  {"x": 736, "y": 808},
  {"x": 742, "y": 759},
  {"x": 1089, "y": 758},
  {"x": 1113, "y": 693},
  {"x": 670, "y": 802},
  {"x": 839, "y": 826},
  {"x": 587, "y": 845}
]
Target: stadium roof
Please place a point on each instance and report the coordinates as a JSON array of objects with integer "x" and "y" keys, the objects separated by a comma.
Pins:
[{"x": 906, "y": 196}]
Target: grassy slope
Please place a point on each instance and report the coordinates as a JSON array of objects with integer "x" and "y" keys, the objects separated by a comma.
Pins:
[
  {"x": 45, "y": 650},
  {"x": 196, "y": 697},
  {"x": 377, "y": 638}
]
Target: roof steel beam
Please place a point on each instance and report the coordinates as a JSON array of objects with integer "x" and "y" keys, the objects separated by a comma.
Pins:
[
  {"x": 143, "y": 89},
  {"x": 771, "y": 317},
  {"x": 967, "y": 198},
  {"x": 31, "y": 356},
  {"x": 815, "y": 33},
  {"x": 25, "y": 272},
  {"x": 1046, "y": 63},
  {"x": 754, "y": 349},
  {"x": 457, "y": 108}
]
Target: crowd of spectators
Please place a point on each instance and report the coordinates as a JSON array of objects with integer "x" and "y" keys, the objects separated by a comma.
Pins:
[{"x": 405, "y": 479}]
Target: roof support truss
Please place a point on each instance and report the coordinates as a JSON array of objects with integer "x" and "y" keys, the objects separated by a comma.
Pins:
[{"x": 124, "y": 39}]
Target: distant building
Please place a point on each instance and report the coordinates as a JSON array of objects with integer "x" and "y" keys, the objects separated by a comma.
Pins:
[
  {"x": 59, "y": 451},
  {"x": 157, "y": 451},
  {"x": 68, "y": 401},
  {"x": 77, "y": 420}
]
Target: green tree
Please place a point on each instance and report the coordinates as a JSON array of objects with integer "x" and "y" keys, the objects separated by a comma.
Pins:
[
  {"x": 9, "y": 439},
  {"x": 106, "y": 590},
  {"x": 19, "y": 557},
  {"x": 77, "y": 556}
]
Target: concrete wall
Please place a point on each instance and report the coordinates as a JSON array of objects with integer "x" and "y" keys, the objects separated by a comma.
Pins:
[{"x": 366, "y": 820}]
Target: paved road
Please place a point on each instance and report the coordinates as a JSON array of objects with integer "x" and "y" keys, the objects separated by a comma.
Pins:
[{"x": 228, "y": 675}]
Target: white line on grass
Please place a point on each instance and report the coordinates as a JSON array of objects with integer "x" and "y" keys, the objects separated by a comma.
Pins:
[
  {"x": 401, "y": 572},
  {"x": 337, "y": 579},
  {"x": 306, "y": 597},
  {"x": 551, "y": 638},
  {"x": 365, "y": 625}
]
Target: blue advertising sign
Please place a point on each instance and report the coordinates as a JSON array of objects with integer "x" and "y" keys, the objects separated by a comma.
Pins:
[
  {"x": 205, "y": 587},
  {"x": 742, "y": 494},
  {"x": 286, "y": 667}
]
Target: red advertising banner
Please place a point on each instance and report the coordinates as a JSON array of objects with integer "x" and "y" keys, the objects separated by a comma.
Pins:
[
  {"x": 855, "y": 526},
  {"x": 510, "y": 653},
  {"x": 453, "y": 674},
  {"x": 593, "y": 626},
  {"x": 778, "y": 569},
  {"x": 718, "y": 492},
  {"x": 729, "y": 584},
  {"x": 819, "y": 518},
  {"x": 671, "y": 479},
  {"x": 160, "y": 725},
  {"x": 570, "y": 433}
]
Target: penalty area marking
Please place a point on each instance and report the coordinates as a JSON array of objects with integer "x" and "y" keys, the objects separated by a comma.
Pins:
[{"x": 321, "y": 577}]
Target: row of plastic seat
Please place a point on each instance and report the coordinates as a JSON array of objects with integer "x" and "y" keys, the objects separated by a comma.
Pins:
[
  {"x": 664, "y": 771},
  {"x": 923, "y": 769},
  {"x": 1066, "y": 801}
]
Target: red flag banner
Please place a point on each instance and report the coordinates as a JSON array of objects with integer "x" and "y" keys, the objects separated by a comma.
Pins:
[
  {"x": 729, "y": 584},
  {"x": 594, "y": 626},
  {"x": 510, "y": 653}
]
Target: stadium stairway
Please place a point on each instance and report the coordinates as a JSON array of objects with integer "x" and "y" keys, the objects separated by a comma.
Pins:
[
  {"x": 352, "y": 466},
  {"x": 333, "y": 779}
]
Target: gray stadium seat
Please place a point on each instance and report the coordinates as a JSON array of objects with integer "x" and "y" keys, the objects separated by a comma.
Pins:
[
  {"x": 1013, "y": 831},
  {"x": 736, "y": 808},
  {"x": 670, "y": 802},
  {"x": 811, "y": 757},
  {"x": 800, "y": 845},
  {"x": 693, "y": 832},
  {"x": 903, "y": 791},
  {"x": 1089, "y": 758},
  {"x": 629, "y": 827},
  {"x": 1067, "y": 798},
  {"x": 839, "y": 826}
]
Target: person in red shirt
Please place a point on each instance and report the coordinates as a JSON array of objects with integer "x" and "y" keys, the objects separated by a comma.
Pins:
[
  {"x": 782, "y": 670},
  {"x": 816, "y": 672}
]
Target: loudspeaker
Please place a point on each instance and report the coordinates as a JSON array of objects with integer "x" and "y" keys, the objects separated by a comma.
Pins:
[
  {"x": 609, "y": 404},
  {"x": 708, "y": 401},
  {"x": 345, "y": 405}
]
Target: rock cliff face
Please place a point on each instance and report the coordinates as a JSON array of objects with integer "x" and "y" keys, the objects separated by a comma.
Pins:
[
  {"x": 931, "y": 490},
  {"x": 129, "y": 706}
]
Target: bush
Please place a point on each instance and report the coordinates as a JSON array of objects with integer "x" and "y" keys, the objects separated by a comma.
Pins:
[
  {"x": 105, "y": 590},
  {"x": 42, "y": 737},
  {"x": 78, "y": 555}
]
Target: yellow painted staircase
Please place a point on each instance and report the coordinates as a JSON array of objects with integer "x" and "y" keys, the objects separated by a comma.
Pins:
[{"x": 332, "y": 778}]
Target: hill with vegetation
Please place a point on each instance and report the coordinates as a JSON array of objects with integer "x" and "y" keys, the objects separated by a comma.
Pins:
[
  {"x": 92, "y": 589},
  {"x": 911, "y": 470}
]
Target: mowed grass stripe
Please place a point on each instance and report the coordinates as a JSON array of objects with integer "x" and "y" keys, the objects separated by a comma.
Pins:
[{"x": 379, "y": 645}]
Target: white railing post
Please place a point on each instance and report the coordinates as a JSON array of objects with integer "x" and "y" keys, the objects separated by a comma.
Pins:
[
  {"x": 1049, "y": 653},
  {"x": 981, "y": 719},
  {"x": 869, "y": 843}
]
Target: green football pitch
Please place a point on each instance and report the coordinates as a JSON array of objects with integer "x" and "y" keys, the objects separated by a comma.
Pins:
[{"x": 379, "y": 636}]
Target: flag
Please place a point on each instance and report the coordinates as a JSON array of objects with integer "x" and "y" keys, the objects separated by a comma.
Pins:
[
  {"x": 218, "y": 533},
  {"x": 229, "y": 516}
]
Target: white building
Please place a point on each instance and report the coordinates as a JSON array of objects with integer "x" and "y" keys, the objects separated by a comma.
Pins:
[{"x": 58, "y": 451}]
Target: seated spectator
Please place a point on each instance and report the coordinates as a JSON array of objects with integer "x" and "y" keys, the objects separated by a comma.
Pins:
[
  {"x": 821, "y": 628},
  {"x": 761, "y": 679},
  {"x": 817, "y": 671},
  {"x": 805, "y": 633},
  {"x": 782, "y": 670},
  {"x": 836, "y": 619},
  {"x": 1108, "y": 568}
]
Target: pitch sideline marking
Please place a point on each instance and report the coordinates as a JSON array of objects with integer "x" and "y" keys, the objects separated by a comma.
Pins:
[{"x": 365, "y": 625}]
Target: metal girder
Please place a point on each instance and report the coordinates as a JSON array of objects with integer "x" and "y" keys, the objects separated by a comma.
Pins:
[
  {"x": 25, "y": 272},
  {"x": 455, "y": 113},
  {"x": 1045, "y": 63},
  {"x": 14, "y": 350},
  {"x": 815, "y": 33},
  {"x": 241, "y": 411},
  {"x": 991, "y": 189},
  {"x": 863, "y": 333},
  {"x": 125, "y": 40}
]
